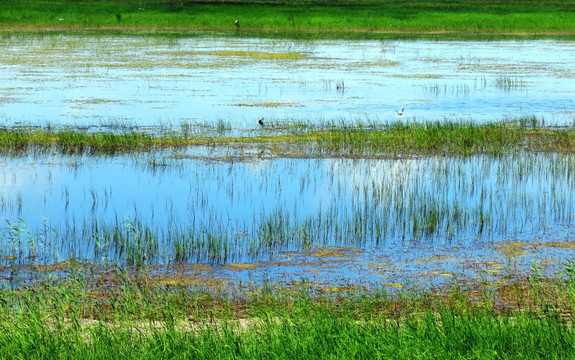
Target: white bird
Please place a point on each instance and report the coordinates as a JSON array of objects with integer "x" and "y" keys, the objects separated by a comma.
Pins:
[
  {"x": 399, "y": 113},
  {"x": 60, "y": 19},
  {"x": 237, "y": 22}
]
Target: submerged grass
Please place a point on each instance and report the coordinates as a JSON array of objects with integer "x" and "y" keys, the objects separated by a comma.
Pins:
[
  {"x": 314, "y": 141},
  {"x": 438, "y": 200},
  {"x": 130, "y": 317},
  {"x": 257, "y": 55}
]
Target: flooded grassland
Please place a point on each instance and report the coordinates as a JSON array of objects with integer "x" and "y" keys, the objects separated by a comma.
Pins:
[{"x": 221, "y": 214}]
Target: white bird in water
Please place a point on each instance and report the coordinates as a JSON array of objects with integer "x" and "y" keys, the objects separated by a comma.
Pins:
[{"x": 399, "y": 113}]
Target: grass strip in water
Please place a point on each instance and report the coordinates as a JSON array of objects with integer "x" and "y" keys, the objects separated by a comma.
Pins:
[{"x": 367, "y": 141}]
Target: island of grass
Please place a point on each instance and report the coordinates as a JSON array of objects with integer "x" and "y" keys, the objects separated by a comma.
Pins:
[{"x": 299, "y": 140}]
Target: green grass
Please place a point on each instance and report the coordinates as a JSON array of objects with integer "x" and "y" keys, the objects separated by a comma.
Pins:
[
  {"x": 326, "y": 16},
  {"x": 315, "y": 141},
  {"x": 131, "y": 318}
]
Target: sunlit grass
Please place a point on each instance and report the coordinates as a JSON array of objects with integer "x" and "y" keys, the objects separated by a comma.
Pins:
[
  {"x": 139, "y": 315},
  {"x": 348, "y": 17}
]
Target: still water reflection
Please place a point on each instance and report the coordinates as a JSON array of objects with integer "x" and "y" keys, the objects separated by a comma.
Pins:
[{"x": 130, "y": 210}]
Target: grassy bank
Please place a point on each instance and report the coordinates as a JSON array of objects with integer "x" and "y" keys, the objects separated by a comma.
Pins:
[
  {"x": 385, "y": 16},
  {"x": 128, "y": 316},
  {"x": 300, "y": 140}
]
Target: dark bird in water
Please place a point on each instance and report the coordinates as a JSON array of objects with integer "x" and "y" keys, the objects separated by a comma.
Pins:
[
  {"x": 261, "y": 122},
  {"x": 399, "y": 113},
  {"x": 237, "y": 22}
]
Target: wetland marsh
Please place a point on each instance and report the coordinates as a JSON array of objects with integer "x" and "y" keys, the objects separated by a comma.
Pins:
[
  {"x": 145, "y": 213},
  {"x": 248, "y": 212},
  {"x": 369, "y": 221}
]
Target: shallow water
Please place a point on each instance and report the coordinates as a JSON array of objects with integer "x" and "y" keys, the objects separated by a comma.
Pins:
[
  {"x": 319, "y": 221},
  {"x": 73, "y": 80},
  {"x": 367, "y": 221}
]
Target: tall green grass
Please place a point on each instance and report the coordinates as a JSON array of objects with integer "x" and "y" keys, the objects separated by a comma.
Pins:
[
  {"x": 544, "y": 17},
  {"x": 132, "y": 318}
]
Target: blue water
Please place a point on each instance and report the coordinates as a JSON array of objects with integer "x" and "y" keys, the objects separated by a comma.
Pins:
[
  {"x": 70, "y": 80},
  {"x": 482, "y": 203},
  {"x": 384, "y": 209}
]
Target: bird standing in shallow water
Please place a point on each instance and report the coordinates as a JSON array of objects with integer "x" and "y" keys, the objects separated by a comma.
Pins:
[
  {"x": 261, "y": 122},
  {"x": 399, "y": 113}
]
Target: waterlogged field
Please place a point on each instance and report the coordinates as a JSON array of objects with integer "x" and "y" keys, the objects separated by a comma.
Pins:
[
  {"x": 221, "y": 213},
  {"x": 144, "y": 81},
  {"x": 146, "y": 213},
  {"x": 364, "y": 221}
]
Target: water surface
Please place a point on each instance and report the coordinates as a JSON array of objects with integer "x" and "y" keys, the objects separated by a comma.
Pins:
[
  {"x": 336, "y": 219},
  {"x": 366, "y": 221},
  {"x": 79, "y": 80}
]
